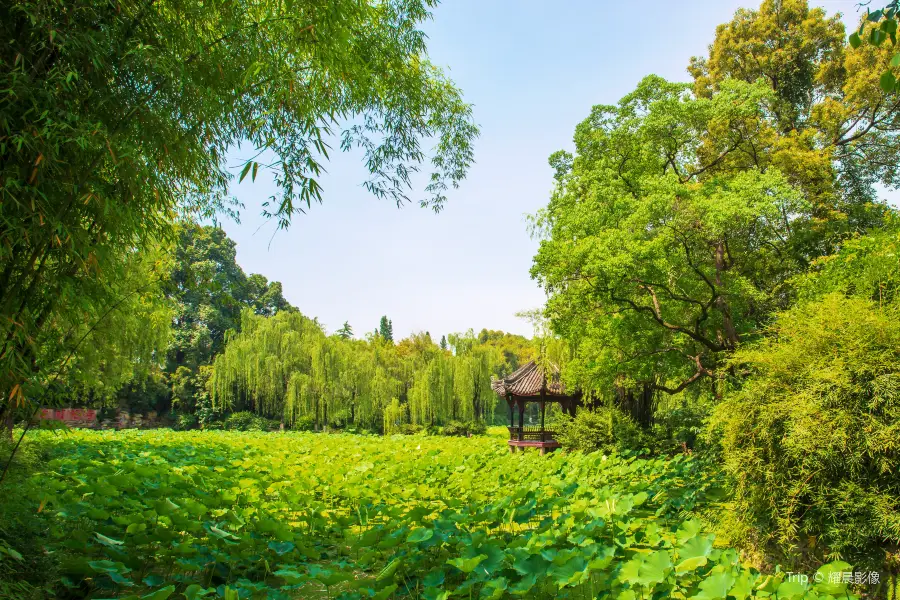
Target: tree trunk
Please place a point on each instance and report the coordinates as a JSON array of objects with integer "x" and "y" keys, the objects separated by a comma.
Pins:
[
  {"x": 639, "y": 406},
  {"x": 9, "y": 420},
  {"x": 730, "y": 334}
]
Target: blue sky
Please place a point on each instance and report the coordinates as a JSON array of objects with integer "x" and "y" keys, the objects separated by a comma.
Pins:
[{"x": 533, "y": 69}]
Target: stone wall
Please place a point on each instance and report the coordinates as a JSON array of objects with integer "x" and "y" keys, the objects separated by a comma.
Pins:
[{"x": 88, "y": 418}]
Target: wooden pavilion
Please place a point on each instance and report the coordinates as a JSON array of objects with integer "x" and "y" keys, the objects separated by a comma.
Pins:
[{"x": 530, "y": 384}]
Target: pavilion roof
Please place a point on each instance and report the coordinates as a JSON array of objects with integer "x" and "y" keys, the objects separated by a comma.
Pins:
[{"x": 529, "y": 380}]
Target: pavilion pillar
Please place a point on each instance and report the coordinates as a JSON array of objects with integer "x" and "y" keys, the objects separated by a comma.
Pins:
[
  {"x": 543, "y": 412},
  {"x": 509, "y": 403},
  {"x": 521, "y": 419}
]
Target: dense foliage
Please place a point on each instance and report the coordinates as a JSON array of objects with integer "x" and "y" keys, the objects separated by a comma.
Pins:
[
  {"x": 811, "y": 437},
  {"x": 282, "y": 516},
  {"x": 656, "y": 269},
  {"x": 208, "y": 290},
  {"x": 605, "y": 429},
  {"x": 674, "y": 230},
  {"x": 286, "y": 367},
  {"x": 721, "y": 242},
  {"x": 116, "y": 116}
]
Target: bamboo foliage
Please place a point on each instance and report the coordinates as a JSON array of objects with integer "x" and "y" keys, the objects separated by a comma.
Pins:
[{"x": 286, "y": 367}]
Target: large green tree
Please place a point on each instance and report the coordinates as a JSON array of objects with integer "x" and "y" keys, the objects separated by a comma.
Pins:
[
  {"x": 209, "y": 290},
  {"x": 658, "y": 256},
  {"x": 675, "y": 229},
  {"x": 831, "y": 131},
  {"x": 116, "y": 116}
]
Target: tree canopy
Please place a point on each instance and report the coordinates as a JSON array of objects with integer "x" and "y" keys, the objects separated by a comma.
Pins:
[
  {"x": 675, "y": 230},
  {"x": 345, "y": 332},
  {"x": 210, "y": 290},
  {"x": 285, "y": 367},
  {"x": 386, "y": 329},
  {"x": 118, "y": 116}
]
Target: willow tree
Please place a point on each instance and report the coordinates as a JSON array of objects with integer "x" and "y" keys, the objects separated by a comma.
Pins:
[
  {"x": 270, "y": 357},
  {"x": 431, "y": 397},
  {"x": 116, "y": 116},
  {"x": 285, "y": 367},
  {"x": 472, "y": 383}
]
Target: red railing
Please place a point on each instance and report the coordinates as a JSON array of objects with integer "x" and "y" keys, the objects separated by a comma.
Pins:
[{"x": 531, "y": 433}]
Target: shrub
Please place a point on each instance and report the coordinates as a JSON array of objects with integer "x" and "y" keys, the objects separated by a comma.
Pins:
[
  {"x": 304, "y": 423},
  {"x": 213, "y": 425},
  {"x": 185, "y": 421},
  {"x": 410, "y": 429},
  {"x": 27, "y": 570},
  {"x": 605, "y": 429},
  {"x": 811, "y": 440},
  {"x": 459, "y": 428},
  {"x": 680, "y": 427},
  {"x": 476, "y": 427},
  {"x": 453, "y": 428},
  {"x": 247, "y": 421}
]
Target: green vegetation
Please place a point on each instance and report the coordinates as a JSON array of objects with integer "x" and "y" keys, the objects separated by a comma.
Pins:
[
  {"x": 285, "y": 367},
  {"x": 309, "y": 516},
  {"x": 605, "y": 429},
  {"x": 722, "y": 285},
  {"x": 877, "y": 27},
  {"x": 810, "y": 439},
  {"x": 716, "y": 251},
  {"x": 116, "y": 118}
]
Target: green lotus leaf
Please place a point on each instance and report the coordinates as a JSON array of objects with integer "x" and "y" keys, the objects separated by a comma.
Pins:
[
  {"x": 495, "y": 588},
  {"x": 160, "y": 594},
  {"x": 467, "y": 565},
  {"x": 153, "y": 580},
  {"x": 290, "y": 575},
  {"x": 743, "y": 586},
  {"x": 825, "y": 580},
  {"x": 419, "y": 535},
  {"x": 281, "y": 548},
  {"x": 688, "y": 530},
  {"x": 696, "y": 546},
  {"x": 790, "y": 589},
  {"x": 434, "y": 579},
  {"x": 716, "y": 586},
  {"x": 691, "y": 564},
  {"x": 195, "y": 591},
  {"x": 107, "y": 541},
  {"x": 389, "y": 570}
]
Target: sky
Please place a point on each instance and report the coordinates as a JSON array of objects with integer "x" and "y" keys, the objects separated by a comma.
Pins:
[{"x": 532, "y": 69}]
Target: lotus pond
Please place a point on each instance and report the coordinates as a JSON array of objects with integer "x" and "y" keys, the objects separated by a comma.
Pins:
[{"x": 162, "y": 514}]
